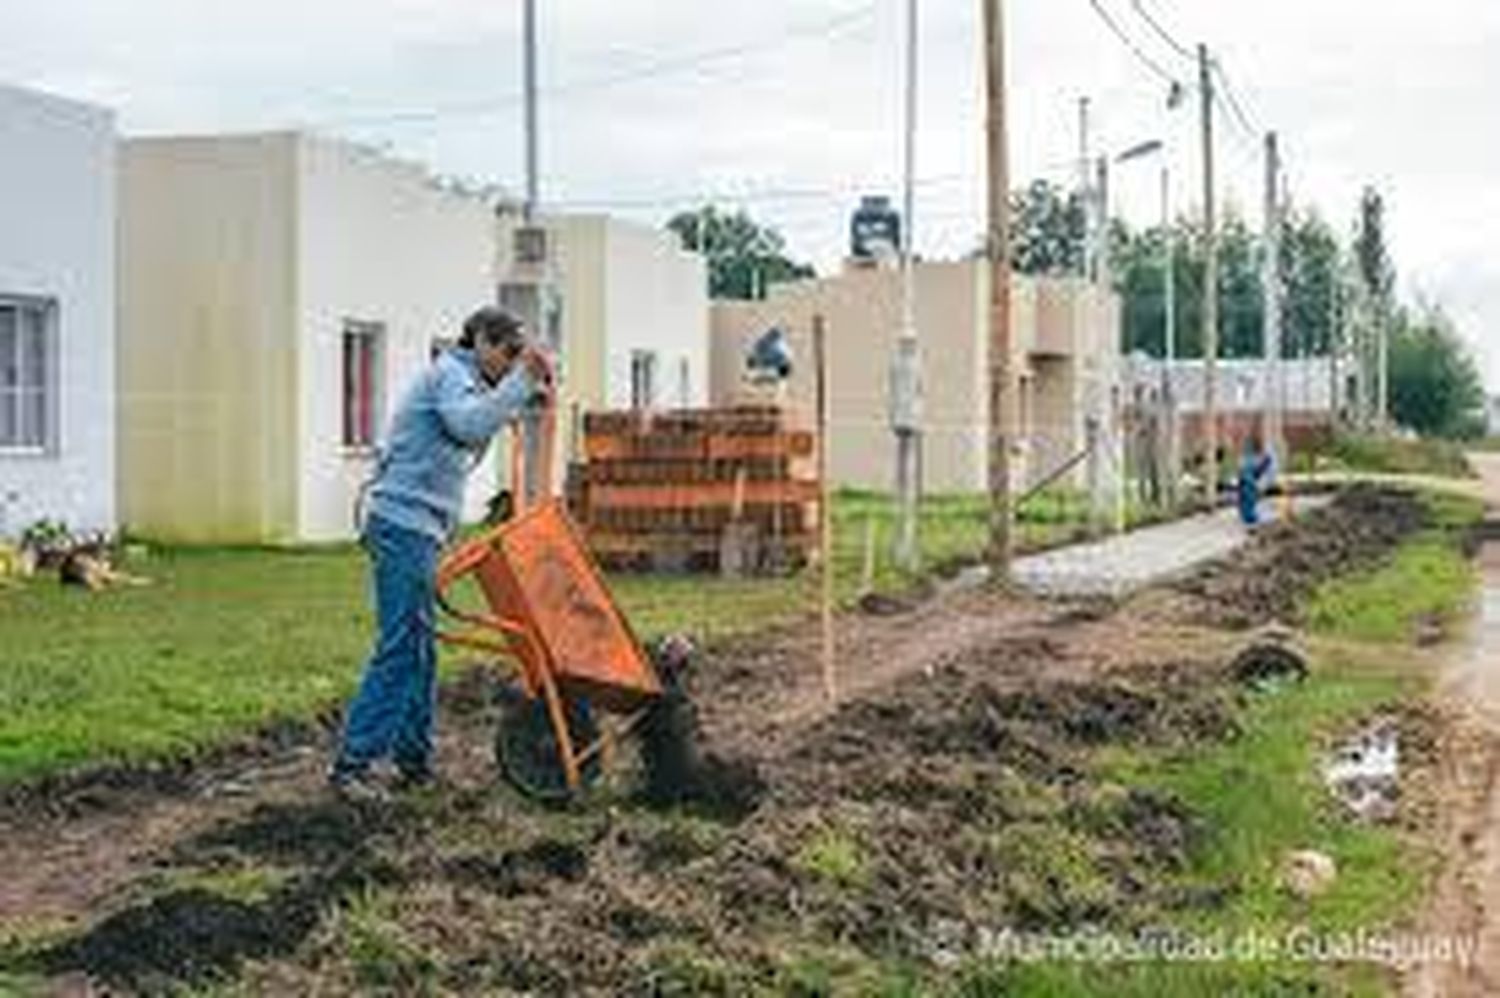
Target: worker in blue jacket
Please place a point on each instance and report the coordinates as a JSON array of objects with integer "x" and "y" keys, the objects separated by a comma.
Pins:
[
  {"x": 438, "y": 435},
  {"x": 1257, "y": 466}
]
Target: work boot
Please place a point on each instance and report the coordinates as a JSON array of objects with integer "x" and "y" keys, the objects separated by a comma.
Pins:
[
  {"x": 357, "y": 788},
  {"x": 410, "y": 779}
]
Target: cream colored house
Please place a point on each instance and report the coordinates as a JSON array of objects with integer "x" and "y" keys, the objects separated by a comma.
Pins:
[
  {"x": 276, "y": 293},
  {"x": 1067, "y": 357},
  {"x": 628, "y": 312}
]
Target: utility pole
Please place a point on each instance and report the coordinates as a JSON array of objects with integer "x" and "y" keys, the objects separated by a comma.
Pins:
[
  {"x": 1270, "y": 281},
  {"x": 1085, "y": 191},
  {"x": 1003, "y": 401},
  {"x": 533, "y": 180},
  {"x": 1110, "y": 500},
  {"x": 906, "y": 375},
  {"x": 1335, "y": 343},
  {"x": 1210, "y": 283},
  {"x": 1382, "y": 366},
  {"x": 1169, "y": 335}
]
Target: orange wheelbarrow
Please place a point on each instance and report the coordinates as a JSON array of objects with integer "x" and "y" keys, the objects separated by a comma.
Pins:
[{"x": 550, "y": 614}]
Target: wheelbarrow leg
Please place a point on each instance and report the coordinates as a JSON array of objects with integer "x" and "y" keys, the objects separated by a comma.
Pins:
[{"x": 559, "y": 718}]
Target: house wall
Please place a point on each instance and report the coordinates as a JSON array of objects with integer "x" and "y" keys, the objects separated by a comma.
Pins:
[
  {"x": 378, "y": 242},
  {"x": 208, "y": 376},
  {"x": 624, "y": 287},
  {"x": 655, "y": 300},
  {"x": 57, "y": 172},
  {"x": 862, "y": 310}
]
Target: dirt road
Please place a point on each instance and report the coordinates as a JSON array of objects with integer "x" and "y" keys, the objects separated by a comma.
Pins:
[{"x": 1467, "y": 900}]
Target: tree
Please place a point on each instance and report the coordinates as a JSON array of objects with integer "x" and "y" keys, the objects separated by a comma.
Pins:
[
  {"x": 1137, "y": 264},
  {"x": 1371, "y": 257},
  {"x": 1435, "y": 386},
  {"x": 1310, "y": 261},
  {"x": 744, "y": 257},
  {"x": 1048, "y": 229}
]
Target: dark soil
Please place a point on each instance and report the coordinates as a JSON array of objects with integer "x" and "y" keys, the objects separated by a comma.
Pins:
[
  {"x": 1267, "y": 580},
  {"x": 757, "y": 830}
]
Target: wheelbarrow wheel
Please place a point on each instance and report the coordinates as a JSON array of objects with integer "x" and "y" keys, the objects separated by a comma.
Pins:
[{"x": 527, "y": 751}]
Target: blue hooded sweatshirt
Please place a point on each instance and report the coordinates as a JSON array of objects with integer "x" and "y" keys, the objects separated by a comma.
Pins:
[{"x": 439, "y": 434}]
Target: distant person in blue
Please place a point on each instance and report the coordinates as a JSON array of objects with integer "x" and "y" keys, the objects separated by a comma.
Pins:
[
  {"x": 440, "y": 432},
  {"x": 1257, "y": 466}
]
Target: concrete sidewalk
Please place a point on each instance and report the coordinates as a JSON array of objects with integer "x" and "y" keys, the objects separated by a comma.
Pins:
[{"x": 1120, "y": 565}]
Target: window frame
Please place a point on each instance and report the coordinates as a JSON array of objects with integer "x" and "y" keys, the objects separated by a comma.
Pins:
[
  {"x": 373, "y": 333},
  {"x": 50, "y": 441},
  {"x": 643, "y": 367}
]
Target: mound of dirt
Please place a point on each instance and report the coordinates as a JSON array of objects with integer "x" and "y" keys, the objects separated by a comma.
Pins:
[{"x": 1266, "y": 580}]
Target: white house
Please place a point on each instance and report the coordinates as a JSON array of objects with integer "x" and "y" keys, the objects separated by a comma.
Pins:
[
  {"x": 57, "y": 320},
  {"x": 277, "y": 292},
  {"x": 631, "y": 309}
]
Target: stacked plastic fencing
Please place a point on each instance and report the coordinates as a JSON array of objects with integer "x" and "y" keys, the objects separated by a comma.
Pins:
[{"x": 697, "y": 490}]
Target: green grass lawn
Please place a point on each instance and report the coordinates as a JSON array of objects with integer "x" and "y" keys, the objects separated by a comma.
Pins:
[
  {"x": 1258, "y": 797},
  {"x": 1427, "y": 578},
  {"x": 226, "y": 641},
  {"x": 1388, "y": 455}
]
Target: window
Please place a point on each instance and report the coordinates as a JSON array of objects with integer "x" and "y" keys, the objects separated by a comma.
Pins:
[
  {"x": 642, "y": 379},
  {"x": 361, "y": 383},
  {"x": 684, "y": 383},
  {"x": 27, "y": 367}
]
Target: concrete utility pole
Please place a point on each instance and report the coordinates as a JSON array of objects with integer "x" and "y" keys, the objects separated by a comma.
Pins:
[
  {"x": 1335, "y": 344},
  {"x": 1085, "y": 192},
  {"x": 906, "y": 375},
  {"x": 1003, "y": 401},
  {"x": 533, "y": 173},
  {"x": 1210, "y": 283},
  {"x": 1270, "y": 284},
  {"x": 1173, "y": 428},
  {"x": 1382, "y": 367}
]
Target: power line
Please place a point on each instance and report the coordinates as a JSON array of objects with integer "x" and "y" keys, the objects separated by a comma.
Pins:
[
  {"x": 1129, "y": 43},
  {"x": 1237, "y": 110},
  {"x": 1162, "y": 32},
  {"x": 660, "y": 67},
  {"x": 752, "y": 195}
]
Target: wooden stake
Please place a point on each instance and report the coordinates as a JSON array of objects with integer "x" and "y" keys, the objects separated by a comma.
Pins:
[
  {"x": 517, "y": 468},
  {"x": 825, "y": 510},
  {"x": 867, "y": 574}
]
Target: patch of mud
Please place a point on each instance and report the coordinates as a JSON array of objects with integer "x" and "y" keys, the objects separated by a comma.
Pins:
[
  {"x": 521, "y": 871},
  {"x": 318, "y": 833},
  {"x": 195, "y": 935},
  {"x": 1268, "y": 578},
  {"x": 75, "y": 794}
]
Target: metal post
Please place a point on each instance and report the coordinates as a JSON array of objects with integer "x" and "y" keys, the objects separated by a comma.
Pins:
[
  {"x": 1210, "y": 283},
  {"x": 532, "y": 159},
  {"x": 1002, "y": 374},
  {"x": 1172, "y": 427},
  {"x": 825, "y": 511},
  {"x": 1271, "y": 304},
  {"x": 906, "y": 378}
]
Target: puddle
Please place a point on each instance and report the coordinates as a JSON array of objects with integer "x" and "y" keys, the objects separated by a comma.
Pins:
[
  {"x": 1474, "y": 663},
  {"x": 1364, "y": 772}
]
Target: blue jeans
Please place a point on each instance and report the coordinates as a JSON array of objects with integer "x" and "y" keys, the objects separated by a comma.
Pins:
[{"x": 392, "y": 714}]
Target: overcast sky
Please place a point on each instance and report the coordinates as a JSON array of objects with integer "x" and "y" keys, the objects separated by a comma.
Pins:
[{"x": 793, "y": 107}]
